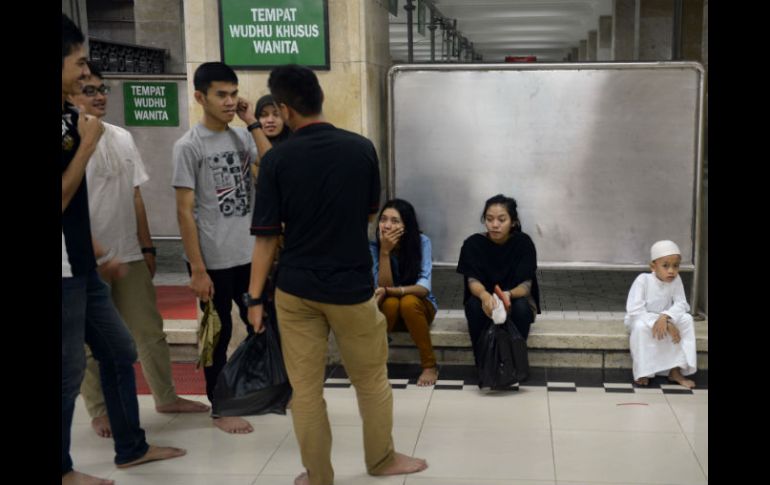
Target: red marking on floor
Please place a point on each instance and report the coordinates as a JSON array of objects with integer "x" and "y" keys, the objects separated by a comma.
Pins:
[
  {"x": 187, "y": 379},
  {"x": 176, "y": 303}
]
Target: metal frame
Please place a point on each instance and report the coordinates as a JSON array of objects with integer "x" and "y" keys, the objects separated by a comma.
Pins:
[{"x": 697, "y": 197}]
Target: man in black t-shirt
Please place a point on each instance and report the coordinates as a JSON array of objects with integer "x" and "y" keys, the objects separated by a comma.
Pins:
[
  {"x": 323, "y": 186},
  {"x": 88, "y": 315}
]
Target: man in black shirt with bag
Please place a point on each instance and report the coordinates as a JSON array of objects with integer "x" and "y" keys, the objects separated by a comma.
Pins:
[{"x": 323, "y": 186}]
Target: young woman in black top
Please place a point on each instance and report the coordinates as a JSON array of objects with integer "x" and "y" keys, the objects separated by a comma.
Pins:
[{"x": 502, "y": 260}]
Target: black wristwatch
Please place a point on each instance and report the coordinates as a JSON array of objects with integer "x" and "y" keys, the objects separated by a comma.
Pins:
[
  {"x": 150, "y": 250},
  {"x": 254, "y": 126},
  {"x": 249, "y": 301}
]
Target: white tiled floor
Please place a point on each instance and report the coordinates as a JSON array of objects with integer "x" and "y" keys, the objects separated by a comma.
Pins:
[{"x": 529, "y": 437}]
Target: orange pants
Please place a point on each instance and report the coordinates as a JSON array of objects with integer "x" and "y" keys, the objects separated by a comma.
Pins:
[{"x": 416, "y": 314}]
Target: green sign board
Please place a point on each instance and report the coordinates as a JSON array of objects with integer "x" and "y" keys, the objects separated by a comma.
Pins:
[
  {"x": 262, "y": 34},
  {"x": 150, "y": 104}
]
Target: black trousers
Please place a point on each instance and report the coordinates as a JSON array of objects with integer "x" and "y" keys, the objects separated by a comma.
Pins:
[
  {"x": 479, "y": 322},
  {"x": 229, "y": 286}
]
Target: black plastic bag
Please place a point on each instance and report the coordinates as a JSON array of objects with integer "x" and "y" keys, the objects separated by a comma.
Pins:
[
  {"x": 504, "y": 360},
  {"x": 254, "y": 380}
]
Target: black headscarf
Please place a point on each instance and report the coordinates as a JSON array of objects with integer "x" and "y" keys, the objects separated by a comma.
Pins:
[
  {"x": 508, "y": 264},
  {"x": 285, "y": 133}
]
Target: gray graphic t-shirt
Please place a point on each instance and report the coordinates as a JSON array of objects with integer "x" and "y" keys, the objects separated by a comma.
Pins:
[{"x": 216, "y": 166}]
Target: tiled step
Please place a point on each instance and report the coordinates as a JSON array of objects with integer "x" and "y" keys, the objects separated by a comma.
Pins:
[
  {"x": 598, "y": 341},
  {"x": 601, "y": 342},
  {"x": 557, "y": 339}
]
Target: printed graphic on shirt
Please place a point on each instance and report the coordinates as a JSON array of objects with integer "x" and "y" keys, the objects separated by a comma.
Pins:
[
  {"x": 232, "y": 181},
  {"x": 67, "y": 141}
]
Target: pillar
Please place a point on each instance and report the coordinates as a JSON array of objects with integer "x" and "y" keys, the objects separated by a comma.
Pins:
[
  {"x": 591, "y": 52},
  {"x": 157, "y": 24},
  {"x": 656, "y": 24},
  {"x": 623, "y": 30},
  {"x": 604, "y": 40}
]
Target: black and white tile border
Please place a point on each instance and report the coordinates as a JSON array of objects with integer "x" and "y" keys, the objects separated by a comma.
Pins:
[
  {"x": 459, "y": 385},
  {"x": 459, "y": 377}
]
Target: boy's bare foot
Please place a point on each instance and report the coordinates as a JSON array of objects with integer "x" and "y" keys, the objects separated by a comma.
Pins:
[
  {"x": 642, "y": 381},
  {"x": 428, "y": 377},
  {"x": 676, "y": 376},
  {"x": 182, "y": 405},
  {"x": 156, "y": 453},
  {"x": 404, "y": 464},
  {"x": 233, "y": 424},
  {"x": 302, "y": 479},
  {"x": 101, "y": 425},
  {"x": 77, "y": 478}
]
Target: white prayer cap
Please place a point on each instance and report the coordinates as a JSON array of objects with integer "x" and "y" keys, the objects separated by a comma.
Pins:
[{"x": 663, "y": 248}]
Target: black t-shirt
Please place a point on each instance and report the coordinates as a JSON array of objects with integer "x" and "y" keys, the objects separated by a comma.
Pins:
[
  {"x": 75, "y": 221},
  {"x": 322, "y": 183}
]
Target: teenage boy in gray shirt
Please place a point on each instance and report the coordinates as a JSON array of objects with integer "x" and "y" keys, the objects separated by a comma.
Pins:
[{"x": 214, "y": 197}]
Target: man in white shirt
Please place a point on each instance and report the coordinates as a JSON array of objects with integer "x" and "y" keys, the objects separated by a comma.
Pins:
[{"x": 119, "y": 222}]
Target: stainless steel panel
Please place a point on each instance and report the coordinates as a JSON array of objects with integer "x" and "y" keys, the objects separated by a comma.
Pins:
[
  {"x": 602, "y": 158},
  {"x": 155, "y": 145}
]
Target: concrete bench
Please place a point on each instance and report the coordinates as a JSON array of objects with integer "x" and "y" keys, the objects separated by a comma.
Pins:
[{"x": 594, "y": 340}]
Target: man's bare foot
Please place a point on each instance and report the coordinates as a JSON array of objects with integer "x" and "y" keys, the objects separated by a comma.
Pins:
[
  {"x": 101, "y": 425},
  {"x": 428, "y": 377},
  {"x": 156, "y": 453},
  {"x": 642, "y": 381},
  {"x": 404, "y": 464},
  {"x": 182, "y": 405},
  {"x": 233, "y": 424},
  {"x": 676, "y": 376},
  {"x": 77, "y": 478},
  {"x": 302, "y": 479}
]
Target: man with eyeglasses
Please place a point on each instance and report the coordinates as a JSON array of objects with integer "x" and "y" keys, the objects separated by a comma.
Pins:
[
  {"x": 87, "y": 313},
  {"x": 119, "y": 222}
]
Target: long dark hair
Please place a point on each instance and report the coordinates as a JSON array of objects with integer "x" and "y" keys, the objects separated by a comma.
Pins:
[
  {"x": 510, "y": 206},
  {"x": 410, "y": 248}
]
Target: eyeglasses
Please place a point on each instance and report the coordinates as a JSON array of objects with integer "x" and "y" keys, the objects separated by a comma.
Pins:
[{"x": 91, "y": 91}]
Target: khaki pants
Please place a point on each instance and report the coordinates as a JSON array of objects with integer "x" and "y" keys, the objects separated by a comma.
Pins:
[
  {"x": 416, "y": 314},
  {"x": 360, "y": 332},
  {"x": 134, "y": 297}
]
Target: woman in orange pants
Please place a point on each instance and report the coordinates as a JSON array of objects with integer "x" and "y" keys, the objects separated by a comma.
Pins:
[{"x": 402, "y": 276}]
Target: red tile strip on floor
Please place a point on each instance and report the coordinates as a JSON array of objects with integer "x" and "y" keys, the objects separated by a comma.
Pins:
[
  {"x": 176, "y": 303},
  {"x": 187, "y": 379}
]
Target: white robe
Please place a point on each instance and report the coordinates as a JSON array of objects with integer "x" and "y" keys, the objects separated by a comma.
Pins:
[{"x": 647, "y": 299}]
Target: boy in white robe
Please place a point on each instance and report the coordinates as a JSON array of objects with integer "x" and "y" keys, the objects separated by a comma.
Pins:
[{"x": 662, "y": 338}]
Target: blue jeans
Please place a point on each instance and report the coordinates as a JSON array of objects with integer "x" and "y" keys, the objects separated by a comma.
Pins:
[{"x": 88, "y": 315}]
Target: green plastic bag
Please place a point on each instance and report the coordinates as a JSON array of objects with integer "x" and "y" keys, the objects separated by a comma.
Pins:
[{"x": 208, "y": 336}]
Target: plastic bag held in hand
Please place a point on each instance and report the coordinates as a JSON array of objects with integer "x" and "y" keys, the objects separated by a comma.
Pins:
[
  {"x": 254, "y": 380},
  {"x": 498, "y": 313}
]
